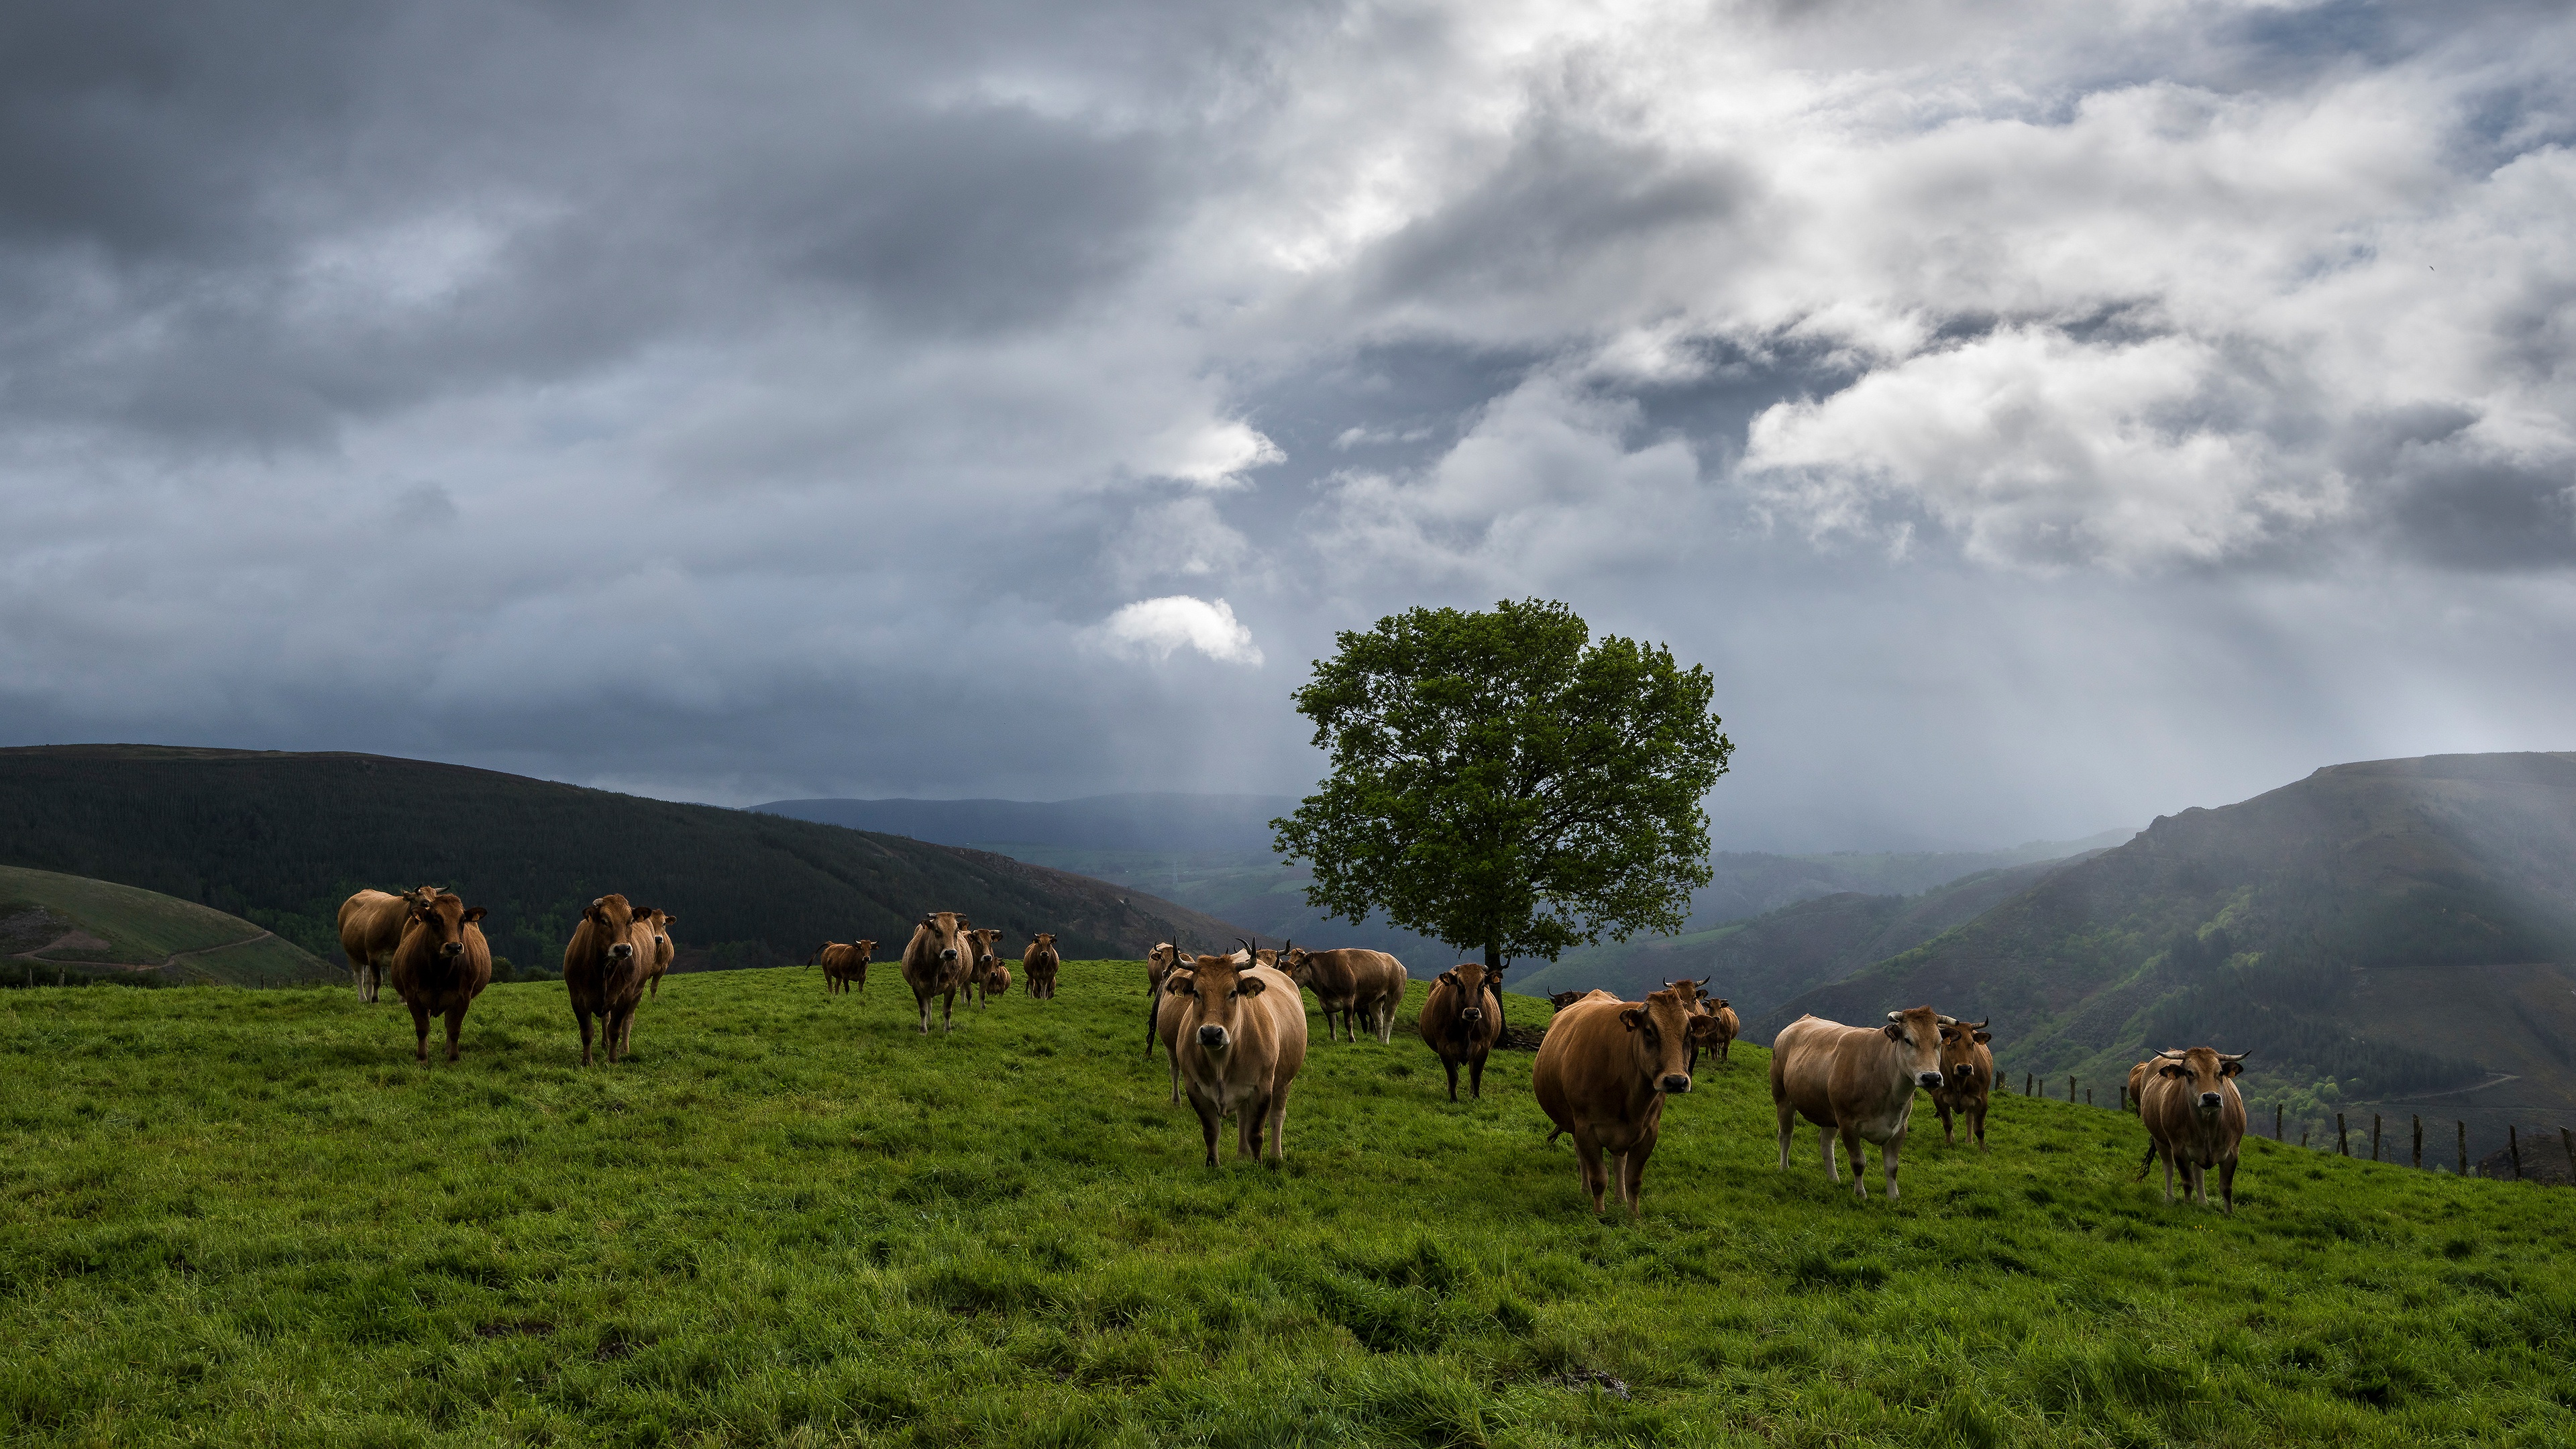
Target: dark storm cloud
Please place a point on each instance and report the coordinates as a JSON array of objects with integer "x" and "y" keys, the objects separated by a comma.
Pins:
[{"x": 1009, "y": 399}]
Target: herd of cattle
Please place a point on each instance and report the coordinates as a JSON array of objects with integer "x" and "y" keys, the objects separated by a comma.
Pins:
[{"x": 1234, "y": 1029}]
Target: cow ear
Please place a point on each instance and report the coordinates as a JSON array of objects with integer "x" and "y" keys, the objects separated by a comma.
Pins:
[
  {"x": 1894, "y": 1032},
  {"x": 475, "y": 913},
  {"x": 1632, "y": 1018},
  {"x": 1722, "y": 1001},
  {"x": 2230, "y": 1069},
  {"x": 1252, "y": 986},
  {"x": 2173, "y": 1069},
  {"x": 1949, "y": 1033},
  {"x": 1446, "y": 978},
  {"x": 1985, "y": 1036}
]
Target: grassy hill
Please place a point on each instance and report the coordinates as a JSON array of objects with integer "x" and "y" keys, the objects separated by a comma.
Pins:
[
  {"x": 1760, "y": 963},
  {"x": 2387, "y": 936},
  {"x": 47, "y": 919},
  {"x": 282, "y": 839},
  {"x": 249, "y": 1218}
]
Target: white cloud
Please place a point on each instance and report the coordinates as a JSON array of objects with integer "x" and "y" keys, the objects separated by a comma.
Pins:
[
  {"x": 1156, "y": 627},
  {"x": 1210, "y": 455}
]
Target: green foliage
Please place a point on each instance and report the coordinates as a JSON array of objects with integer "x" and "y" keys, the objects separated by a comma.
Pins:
[
  {"x": 1501, "y": 782},
  {"x": 138, "y": 928},
  {"x": 249, "y": 1217}
]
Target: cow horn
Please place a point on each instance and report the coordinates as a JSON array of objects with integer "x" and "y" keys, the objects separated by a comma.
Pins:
[
  {"x": 1979, "y": 1026},
  {"x": 1896, "y": 1016},
  {"x": 2171, "y": 1056},
  {"x": 1945, "y": 1020},
  {"x": 2238, "y": 1057},
  {"x": 1249, "y": 949}
]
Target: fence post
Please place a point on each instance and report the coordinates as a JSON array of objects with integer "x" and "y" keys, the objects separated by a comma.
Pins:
[
  {"x": 2419, "y": 1142},
  {"x": 2025, "y": 1084},
  {"x": 2070, "y": 1089},
  {"x": 2374, "y": 1137},
  {"x": 2464, "y": 1148},
  {"x": 2088, "y": 1095},
  {"x": 2276, "y": 1123},
  {"x": 2567, "y": 1140},
  {"x": 2343, "y": 1139},
  {"x": 2513, "y": 1144},
  {"x": 2303, "y": 1139}
]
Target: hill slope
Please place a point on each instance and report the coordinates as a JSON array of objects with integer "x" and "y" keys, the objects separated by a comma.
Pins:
[
  {"x": 51, "y": 919},
  {"x": 282, "y": 839},
  {"x": 2377, "y": 933},
  {"x": 790, "y": 1220}
]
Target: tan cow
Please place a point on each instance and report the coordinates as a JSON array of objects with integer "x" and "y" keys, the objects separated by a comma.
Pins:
[
  {"x": 1171, "y": 1004},
  {"x": 1967, "y": 1078},
  {"x": 1857, "y": 1081},
  {"x": 1367, "y": 985},
  {"x": 1560, "y": 1000},
  {"x": 1242, "y": 1038},
  {"x": 936, "y": 962},
  {"x": 844, "y": 966},
  {"x": 1159, "y": 965},
  {"x": 663, "y": 950},
  {"x": 1603, "y": 1071},
  {"x": 604, "y": 968},
  {"x": 979, "y": 976},
  {"x": 1695, "y": 993},
  {"x": 2195, "y": 1116},
  {"x": 1040, "y": 963},
  {"x": 371, "y": 926},
  {"x": 442, "y": 964},
  {"x": 1462, "y": 1019},
  {"x": 1729, "y": 1026}
]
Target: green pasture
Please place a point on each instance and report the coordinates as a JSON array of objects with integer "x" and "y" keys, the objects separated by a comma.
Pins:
[
  {"x": 249, "y": 1218},
  {"x": 144, "y": 927}
]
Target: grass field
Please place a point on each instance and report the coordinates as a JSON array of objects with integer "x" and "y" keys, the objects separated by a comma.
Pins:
[
  {"x": 249, "y": 1218},
  {"x": 143, "y": 928}
]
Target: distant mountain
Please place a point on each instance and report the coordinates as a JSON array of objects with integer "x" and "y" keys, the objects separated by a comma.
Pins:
[
  {"x": 51, "y": 922},
  {"x": 282, "y": 839},
  {"x": 1160, "y": 823},
  {"x": 1761, "y": 963},
  {"x": 2392, "y": 935}
]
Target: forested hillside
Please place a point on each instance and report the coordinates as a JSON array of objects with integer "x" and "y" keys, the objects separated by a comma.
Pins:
[
  {"x": 282, "y": 839},
  {"x": 51, "y": 922},
  {"x": 2389, "y": 935}
]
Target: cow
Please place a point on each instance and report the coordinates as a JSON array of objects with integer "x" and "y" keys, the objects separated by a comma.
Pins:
[
  {"x": 1603, "y": 1071},
  {"x": 2194, "y": 1116},
  {"x": 936, "y": 962},
  {"x": 1967, "y": 1078},
  {"x": 997, "y": 979},
  {"x": 1461, "y": 1021},
  {"x": 1857, "y": 1081},
  {"x": 979, "y": 976},
  {"x": 1729, "y": 1026},
  {"x": 1368, "y": 985},
  {"x": 1159, "y": 965},
  {"x": 1040, "y": 963},
  {"x": 1695, "y": 995},
  {"x": 442, "y": 964},
  {"x": 604, "y": 968},
  {"x": 1170, "y": 1005},
  {"x": 1242, "y": 1037},
  {"x": 843, "y": 965},
  {"x": 1562, "y": 999},
  {"x": 663, "y": 950},
  {"x": 371, "y": 926}
]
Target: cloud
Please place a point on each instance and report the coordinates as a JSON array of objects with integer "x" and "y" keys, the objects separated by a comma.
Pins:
[{"x": 1156, "y": 627}]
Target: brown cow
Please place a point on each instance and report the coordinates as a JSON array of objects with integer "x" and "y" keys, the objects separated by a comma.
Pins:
[
  {"x": 979, "y": 976},
  {"x": 1171, "y": 1004},
  {"x": 843, "y": 966},
  {"x": 1040, "y": 963},
  {"x": 1461, "y": 1021},
  {"x": 1562, "y": 999},
  {"x": 1858, "y": 1081},
  {"x": 2194, "y": 1115},
  {"x": 1159, "y": 965},
  {"x": 1368, "y": 985},
  {"x": 936, "y": 962},
  {"x": 371, "y": 926},
  {"x": 1242, "y": 1036},
  {"x": 1967, "y": 1077},
  {"x": 442, "y": 964},
  {"x": 604, "y": 969},
  {"x": 1603, "y": 1071},
  {"x": 1729, "y": 1026},
  {"x": 1695, "y": 994},
  {"x": 663, "y": 950}
]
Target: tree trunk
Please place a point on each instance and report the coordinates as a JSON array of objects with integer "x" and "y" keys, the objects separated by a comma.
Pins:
[{"x": 1493, "y": 964}]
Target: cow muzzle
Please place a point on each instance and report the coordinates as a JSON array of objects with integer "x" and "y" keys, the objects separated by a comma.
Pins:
[
  {"x": 949, "y": 955},
  {"x": 1473, "y": 1013},
  {"x": 1212, "y": 1037},
  {"x": 1675, "y": 1082},
  {"x": 452, "y": 948},
  {"x": 620, "y": 951},
  {"x": 1931, "y": 1081},
  {"x": 2209, "y": 1101}
]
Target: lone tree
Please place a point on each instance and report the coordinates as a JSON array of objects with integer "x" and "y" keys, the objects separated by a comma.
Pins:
[{"x": 1501, "y": 782}]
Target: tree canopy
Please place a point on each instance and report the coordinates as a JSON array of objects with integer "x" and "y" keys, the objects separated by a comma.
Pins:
[{"x": 1502, "y": 782}]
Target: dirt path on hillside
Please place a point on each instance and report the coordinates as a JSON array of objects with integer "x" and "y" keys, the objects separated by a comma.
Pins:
[{"x": 74, "y": 938}]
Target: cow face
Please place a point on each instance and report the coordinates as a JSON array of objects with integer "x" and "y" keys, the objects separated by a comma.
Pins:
[
  {"x": 944, "y": 930},
  {"x": 613, "y": 917},
  {"x": 1046, "y": 939},
  {"x": 867, "y": 950},
  {"x": 1959, "y": 1041},
  {"x": 445, "y": 918},
  {"x": 1917, "y": 1035},
  {"x": 1214, "y": 985},
  {"x": 983, "y": 946},
  {"x": 1691, "y": 992},
  {"x": 1661, "y": 1031},
  {"x": 2204, "y": 1073},
  {"x": 1563, "y": 999}
]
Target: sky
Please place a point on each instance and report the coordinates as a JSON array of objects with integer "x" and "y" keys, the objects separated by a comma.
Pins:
[{"x": 2037, "y": 418}]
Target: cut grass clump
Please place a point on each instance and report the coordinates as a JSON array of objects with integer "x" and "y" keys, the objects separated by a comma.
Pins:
[{"x": 795, "y": 1220}]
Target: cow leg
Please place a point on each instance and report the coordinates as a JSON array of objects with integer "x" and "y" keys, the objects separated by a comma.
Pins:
[
  {"x": 1825, "y": 1139},
  {"x": 1476, "y": 1077},
  {"x": 2226, "y": 1185},
  {"x": 1587, "y": 1159},
  {"x": 922, "y": 999},
  {"x": 1450, "y": 1065},
  {"x": 2168, "y": 1157},
  {"x": 1249, "y": 1120},
  {"x": 1279, "y": 1124},
  {"x": 948, "y": 1012},
  {"x": 420, "y": 1028},
  {"x": 1942, "y": 1106},
  {"x": 1788, "y": 1129},
  {"x": 1632, "y": 1170},
  {"x": 1886, "y": 1159},
  {"x": 1211, "y": 1121},
  {"x": 1175, "y": 1055},
  {"x": 1859, "y": 1161},
  {"x": 1153, "y": 1007},
  {"x": 1977, "y": 1119},
  {"x": 583, "y": 1017},
  {"x": 455, "y": 1023}
]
